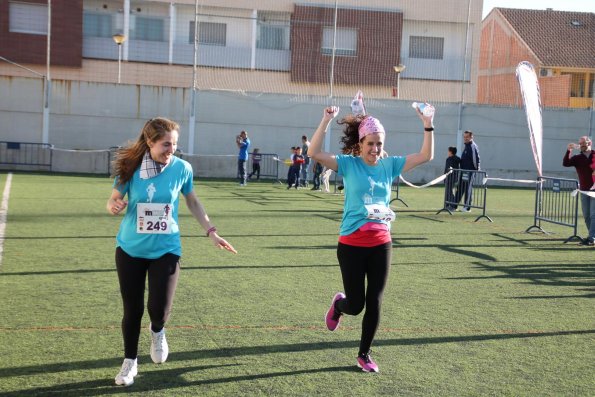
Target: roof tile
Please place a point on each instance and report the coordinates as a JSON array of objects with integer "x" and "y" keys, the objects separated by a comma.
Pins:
[{"x": 558, "y": 38}]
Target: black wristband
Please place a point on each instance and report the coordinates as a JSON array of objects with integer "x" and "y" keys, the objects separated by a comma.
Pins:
[{"x": 429, "y": 129}]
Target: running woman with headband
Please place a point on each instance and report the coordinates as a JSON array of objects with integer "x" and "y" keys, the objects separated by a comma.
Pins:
[
  {"x": 365, "y": 244},
  {"x": 148, "y": 242}
]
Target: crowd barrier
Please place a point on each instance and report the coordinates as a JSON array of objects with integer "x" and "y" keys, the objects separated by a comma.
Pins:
[
  {"x": 26, "y": 156},
  {"x": 556, "y": 203},
  {"x": 337, "y": 183},
  {"x": 269, "y": 166},
  {"x": 395, "y": 189},
  {"x": 466, "y": 189}
]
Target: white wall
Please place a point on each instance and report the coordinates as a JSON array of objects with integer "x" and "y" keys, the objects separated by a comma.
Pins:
[{"x": 98, "y": 115}]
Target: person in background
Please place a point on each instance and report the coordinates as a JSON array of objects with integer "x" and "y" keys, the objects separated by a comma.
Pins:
[
  {"x": 256, "y": 158},
  {"x": 325, "y": 178},
  {"x": 365, "y": 243},
  {"x": 582, "y": 164},
  {"x": 317, "y": 168},
  {"x": 148, "y": 181},
  {"x": 295, "y": 168},
  {"x": 304, "y": 172},
  {"x": 469, "y": 161},
  {"x": 243, "y": 143},
  {"x": 453, "y": 162}
]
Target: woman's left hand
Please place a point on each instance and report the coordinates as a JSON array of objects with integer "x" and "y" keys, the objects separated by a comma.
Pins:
[{"x": 222, "y": 243}]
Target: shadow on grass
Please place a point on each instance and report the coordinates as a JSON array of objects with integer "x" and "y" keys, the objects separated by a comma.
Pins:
[
  {"x": 184, "y": 268},
  {"x": 469, "y": 253},
  {"x": 427, "y": 218},
  {"x": 162, "y": 379},
  {"x": 541, "y": 274},
  {"x": 259, "y": 350}
]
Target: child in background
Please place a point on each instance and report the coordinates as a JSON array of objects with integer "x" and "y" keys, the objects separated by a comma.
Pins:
[
  {"x": 293, "y": 177},
  {"x": 316, "y": 178},
  {"x": 256, "y": 157}
]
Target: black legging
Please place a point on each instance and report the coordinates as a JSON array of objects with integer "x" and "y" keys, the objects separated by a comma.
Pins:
[
  {"x": 163, "y": 278},
  {"x": 356, "y": 264}
]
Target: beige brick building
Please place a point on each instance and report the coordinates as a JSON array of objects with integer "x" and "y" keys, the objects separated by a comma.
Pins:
[
  {"x": 560, "y": 45},
  {"x": 274, "y": 46}
]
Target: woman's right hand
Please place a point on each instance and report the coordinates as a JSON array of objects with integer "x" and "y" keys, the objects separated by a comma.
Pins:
[
  {"x": 116, "y": 206},
  {"x": 330, "y": 112}
]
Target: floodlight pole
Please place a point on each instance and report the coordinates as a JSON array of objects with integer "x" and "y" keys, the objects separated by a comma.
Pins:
[
  {"x": 591, "y": 114},
  {"x": 45, "y": 124},
  {"x": 462, "y": 103},
  {"x": 399, "y": 69},
  {"x": 119, "y": 39},
  {"x": 327, "y": 137},
  {"x": 192, "y": 118}
]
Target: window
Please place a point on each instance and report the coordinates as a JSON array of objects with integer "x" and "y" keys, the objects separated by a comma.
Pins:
[
  {"x": 273, "y": 30},
  {"x": 346, "y": 43},
  {"x": 28, "y": 18},
  {"x": 577, "y": 84},
  {"x": 97, "y": 25},
  {"x": 426, "y": 47},
  {"x": 271, "y": 37},
  {"x": 592, "y": 84},
  {"x": 150, "y": 29},
  {"x": 209, "y": 33}
]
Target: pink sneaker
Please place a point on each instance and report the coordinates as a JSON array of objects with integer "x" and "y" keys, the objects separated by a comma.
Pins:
[
  {"x": 333, "y": 317},
  {"x": 365, "y": 362}
]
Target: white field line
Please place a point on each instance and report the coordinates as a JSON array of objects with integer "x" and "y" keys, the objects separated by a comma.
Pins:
[{"x": 4, "y": 212}]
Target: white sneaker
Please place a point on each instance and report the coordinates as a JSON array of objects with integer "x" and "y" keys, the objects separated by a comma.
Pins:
[
  {"x": 159, "y": 348},
  {"x": 465, "y": 209},
  {"x": 127, "y": 373}
]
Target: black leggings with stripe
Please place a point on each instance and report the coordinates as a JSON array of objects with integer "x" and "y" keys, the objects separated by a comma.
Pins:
[
  {"x": 357, "y": 264},
  {"x": 163, "y": 275}
]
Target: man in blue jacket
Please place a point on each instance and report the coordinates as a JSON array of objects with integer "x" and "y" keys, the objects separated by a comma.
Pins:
[
  {"x": 243, "y": 144},
  {"x": 469, "y": 161}
]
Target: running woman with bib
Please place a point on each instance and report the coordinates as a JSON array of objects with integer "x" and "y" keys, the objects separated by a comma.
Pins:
[
  {"x": 365, "y": 244},
  {"x": 148, "y": 243}
]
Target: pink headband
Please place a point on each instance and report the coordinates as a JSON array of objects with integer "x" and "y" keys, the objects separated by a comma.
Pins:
[{"x": 369, "y": 125}]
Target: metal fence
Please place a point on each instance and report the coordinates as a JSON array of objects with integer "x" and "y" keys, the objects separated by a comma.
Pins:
[
  {"x": 395, "y": 189},
  {"x": 555, "y": 203},
  {"x": 470, "y": 187},
  {"x": 35, "y": 156},
  {"x": 268, "y": 166}
]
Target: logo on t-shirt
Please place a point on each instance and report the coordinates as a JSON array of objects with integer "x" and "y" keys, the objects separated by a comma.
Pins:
[{"x": 150, "y": 192}]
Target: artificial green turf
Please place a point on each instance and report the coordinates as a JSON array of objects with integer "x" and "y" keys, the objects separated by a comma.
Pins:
[{"x": 471, "y": 308}]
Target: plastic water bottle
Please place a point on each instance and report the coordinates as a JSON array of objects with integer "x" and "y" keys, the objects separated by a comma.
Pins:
[{"x": 427, "y": 110}]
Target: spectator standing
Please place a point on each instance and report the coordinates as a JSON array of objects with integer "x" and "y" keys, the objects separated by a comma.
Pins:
[
  {"x": 453, "y": 162},
  {"x": 256, "y": 158},
  {"x": 317, "y": 168},
  {"x": 582, "y": 163},
  {"x": 297, "y": 161},
  {"x": 304, "y": 172},
  {"x": 469, "y": 161},
  {"x": 243, "y": 143}
]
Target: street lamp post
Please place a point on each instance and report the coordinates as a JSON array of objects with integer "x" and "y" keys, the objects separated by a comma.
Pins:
[
  {"x": 399, "y": 69},
  {"x": 119, "y": 38}
]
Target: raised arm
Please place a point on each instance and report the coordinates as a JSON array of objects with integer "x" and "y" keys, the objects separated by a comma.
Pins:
[
  {"x": 427, "y": 147},
  {"x": 315, "y": 151},
  {"x": 567, "y": 160}
]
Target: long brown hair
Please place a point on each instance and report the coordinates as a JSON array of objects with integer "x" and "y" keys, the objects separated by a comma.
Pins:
[
  {"x": 350, "y": 138},
  {"x": 129, "y": 158}
]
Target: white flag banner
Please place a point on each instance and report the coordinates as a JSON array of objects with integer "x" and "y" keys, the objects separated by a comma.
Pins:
[{"x": 529, "y": 85}]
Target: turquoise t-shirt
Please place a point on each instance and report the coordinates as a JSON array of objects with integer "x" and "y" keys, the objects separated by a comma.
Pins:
[
  {"x": 164, "y": 188},
  {"x": 365, "y": 184}
]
